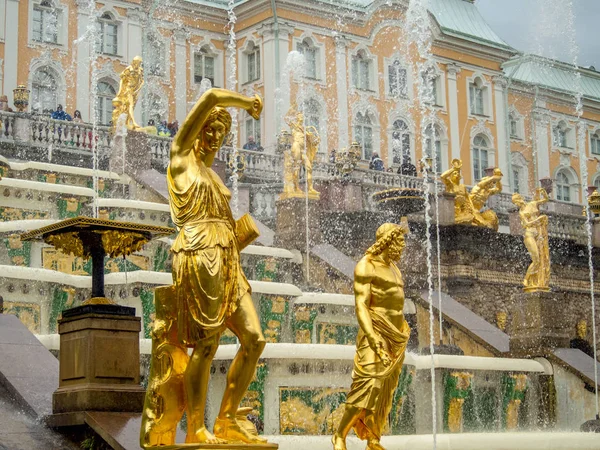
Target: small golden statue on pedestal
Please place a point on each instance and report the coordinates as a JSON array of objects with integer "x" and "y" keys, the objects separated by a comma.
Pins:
[
  {"x": 210, "y": 291},
  {"x": 132, "y": 80},
  {"x": 304, "y": 147},
  {"x": 467, "y": 206},
  {"x": 536, "y": 241},
  {"x": 381, "y": 340}
]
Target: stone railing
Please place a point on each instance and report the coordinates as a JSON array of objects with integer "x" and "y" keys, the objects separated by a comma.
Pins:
[
  {"x": 501, "y": 203},
  {"x": 263, "y": 200},
  {"x": 7, "y": 126},
  {"x": 160, "y": 146},
  {"x": 261, "y": 165},
  {"x": 69, "y": 136},
  {"x": 564, "y": 226}
]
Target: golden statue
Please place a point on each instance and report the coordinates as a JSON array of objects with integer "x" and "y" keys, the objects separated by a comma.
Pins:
[
  {"x": 582, "y": 329},
  {"x": 536, "y": 241},
  {"x": 467, "y": 206},
  {"x": 210, "y": 291},
  {"x": 305, "y": 144},
  {"x": 132, "y": 80},
  {"x": 381, "y": 340}
]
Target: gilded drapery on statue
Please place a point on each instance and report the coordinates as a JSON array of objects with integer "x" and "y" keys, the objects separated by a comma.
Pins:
[
  {"x": 535, "y": 226},
  {"x": 381, "y": 341},
  {"x": 210, "y": 292},
  {"x": 132, "y": 80},
  {"x": 302, "y": 153},
  {"x": 468, "y": 206}
]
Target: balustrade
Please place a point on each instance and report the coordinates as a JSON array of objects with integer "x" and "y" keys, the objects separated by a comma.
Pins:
[{"x": 7, "y": 124}]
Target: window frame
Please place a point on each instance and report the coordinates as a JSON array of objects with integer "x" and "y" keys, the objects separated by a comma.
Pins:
[
  {"x": 254, "y": 52},
  {"x": 364, "y": 122},
  {"x": 51, "y": 73},
  {"x": 437, "y": 143},
  {"x": 595, "y": 143},
  {"x": 396, "y": 90},
  {"x": 561, "y": 135},
  {"x": 104, "y": 102},
  {"x": 562, "y": 187},
  {"x": 253, "y": 127},
  {"x": 405, "y": 141},
  {"x": 105, "y": 21},
  {"x": 306, "y": 47},
  {"x": 205, "y": 53},
  {"x": 477, "y": 150},
  {"x": 44, "y": 10},
  {"x": 361, "y": 64}
]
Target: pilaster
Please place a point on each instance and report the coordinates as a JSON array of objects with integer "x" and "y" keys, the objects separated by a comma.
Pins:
[
  {"x": 83, "y": 62},
  {"x": 500, "y": 86},
  {"x": 341, "y": 55},
  {"x": 542, "y": 147},
  {"x": 453, "y": 70},
  {"x": 11, "y": 46},
  {"x": 181, "y": 37}
]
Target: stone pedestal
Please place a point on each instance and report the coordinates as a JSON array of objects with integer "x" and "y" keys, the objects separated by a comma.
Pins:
[
  {"x": 291, "y": 223},
  {"x": 343, "y": 196},
  {"x": 596, "y": 232},
  {"x": 446, "y": 208},
  {"x": 99, "y": 360},
  {"x": 135, "y": 147},
  {"x": 537, "y": 323}
]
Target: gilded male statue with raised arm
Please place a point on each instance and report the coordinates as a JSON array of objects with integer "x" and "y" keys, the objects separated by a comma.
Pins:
[
  {"x": 132, "y": 80},
  {"x": 381, "y": 340},
  {"x": 536, "y": 240},
  {"x": 463, "y": 208},
  {"x": 211, "y": 290}
]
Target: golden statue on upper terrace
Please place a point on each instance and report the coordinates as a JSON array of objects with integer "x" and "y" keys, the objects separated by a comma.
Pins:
[
  {"x": 467, "y": 206},
  {"x": 132, "y": 80},
  {"x": 536, "y": 241},
  {"x": 381, "y": 341},
  {"x": 304, "y": 147},
  {"x": 210, "y": 291}
]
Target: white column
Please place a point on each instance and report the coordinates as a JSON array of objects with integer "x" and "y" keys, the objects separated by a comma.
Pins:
[
  {"x": 11, "y": 46},
  {"x": 453, "y": 71},
  {"x": 180, "y": 75},
  {"x": 542, "y": 146},
  {"x": 284, "y": 82},
  {"x": 83, "y": 62},
  {"x": 500, "y": 86},
  {"x": 134, "y": 48},
  {"x": 342, "y": 90},
  {"x": 269, "y": 139}
]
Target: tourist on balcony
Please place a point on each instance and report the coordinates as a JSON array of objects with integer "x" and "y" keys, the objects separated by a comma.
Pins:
[
  {"x": 59, "y": 114},
  {"x": 163, "y": 129},
  {"x": 407, "y": 168},
  {"x": 376, "y": 163},
  {"x": 174, "y": 127},
  {"x": 252, "y": 145},
  {"x": 77, "y": 116}
]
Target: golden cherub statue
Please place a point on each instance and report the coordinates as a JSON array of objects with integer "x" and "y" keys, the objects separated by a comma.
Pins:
[
  {"x": 132, "y": 80},
  {"x": 536, "y": 241},
  {"x": 305, "y": 144},
  {"x": 467, "y": 206},
  {"x": 210, "y": 292},
  {"x": 381, "y": 340}
]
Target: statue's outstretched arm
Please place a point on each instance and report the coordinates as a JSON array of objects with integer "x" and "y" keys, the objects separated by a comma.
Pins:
[{"x": 195, "y": 120}]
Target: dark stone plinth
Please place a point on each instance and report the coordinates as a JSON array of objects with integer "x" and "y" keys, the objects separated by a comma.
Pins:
[
  {"x": 115, "y": 310},
  {"x": 291, "y": 223},
  {"x": 138, "y": 155},
  {"x": 340, "y": 195},
  {"x": 99, "y": 361},
  {"x": 538, "y": 325}
]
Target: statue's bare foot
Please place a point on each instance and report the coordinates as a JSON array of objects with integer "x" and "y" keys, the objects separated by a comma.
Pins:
[
  {"x": 374, "y": 444},
  {"x": 339, "y": 443},
  {"x": 231, "y": 431},
  {"x": 202, "y": 436}
]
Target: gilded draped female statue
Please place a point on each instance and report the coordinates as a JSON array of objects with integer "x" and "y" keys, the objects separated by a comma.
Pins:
[
  {"x": 210, "y": 291},
  {"x": 536, "y": 241},
  {"x": 381, "y": 341}
]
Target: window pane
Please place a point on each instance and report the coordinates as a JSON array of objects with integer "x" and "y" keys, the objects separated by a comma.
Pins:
[
  {"x": 516, "y": 181},
  {"x": 355, "y": 73},
  {"x": 368, "y": 142},
  {"x": 476, "y": 165},
  {"x": 484, "y": 161},
  {"x": 393, "y": 79},
  {"x": 209, "y": 68},
  {"x": 37, "y": 25},
  {"x": 364, "y": 74}
]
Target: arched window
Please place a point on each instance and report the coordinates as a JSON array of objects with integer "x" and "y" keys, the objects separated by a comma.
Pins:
[
  {"x": 204, "y": 65},
  {"x": 361, "y": 71},
  {"x": 433, "y": 144},
  {"x": 312, "y": 115},
  {"x": 104, "y": 107},
  {"x": 595, "y": 143},
  {"x": 253, "y": 129},
  {"x": 310, "y": 58},
  {"x": 400, "y": 143},
  {"x": 597, "y": 183},
  {"x": 563, "y": 187},
  {"x": 560, "y": 135},
  {"x": 480, "y": 156},
  {"x": 477, "y": 92},
  {"x": 44, "y": 90},
  {"x": 514, "y": 126},
  {"x": 45, "y": 22},
  {"x": 108, "y": 42},
  {"x": 363, "y": 134},
  {"x": 397, "y": 79}
]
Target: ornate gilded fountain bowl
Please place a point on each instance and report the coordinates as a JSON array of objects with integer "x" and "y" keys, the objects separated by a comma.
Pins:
[
  {"x": 87, "y": 237},
  {"x": 400, "y": 201}
]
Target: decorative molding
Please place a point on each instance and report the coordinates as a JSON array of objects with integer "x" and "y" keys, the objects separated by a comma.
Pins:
[{"x": 481, "y": 128}]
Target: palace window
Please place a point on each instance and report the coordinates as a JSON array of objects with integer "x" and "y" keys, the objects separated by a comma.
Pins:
[
  {"x": 400, "y": 143},
  {"x": 108, "y": 42},
  {"x": 514, "y": 126},
  {"x": 45, "y": 22},
  {"x": 480, "y": 156},
  {"x": 104, "y": 107},
  {"x": 560, "y": 135},
  {"x": 433, "y": 144},
  {"x": 430, "y": 80},
  {"x": 204, "y": 65},
  {"x": 363, "y": 134},
  {"x": 310, "y": 58},
  {"x": 595, "y": 143},
  {"x": 397, "y": 79},
  {"x": 563, "y": 187},
  {"x": 477, "y": 94},
  {"x": 253, "y": 129},
  {"x": 253, "y": 63},
  {"x": 155, "y": 109},
  {"x": 312, "y": 115},
  {"x": 44, "y": 90},
  {"x": 361, "y": 71}
]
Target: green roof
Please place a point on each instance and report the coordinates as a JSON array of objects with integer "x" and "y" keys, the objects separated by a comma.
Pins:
[{"x": 552, "y": 74}]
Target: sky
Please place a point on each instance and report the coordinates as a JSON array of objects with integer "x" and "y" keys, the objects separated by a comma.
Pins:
[{"x": 542, "y": 27}]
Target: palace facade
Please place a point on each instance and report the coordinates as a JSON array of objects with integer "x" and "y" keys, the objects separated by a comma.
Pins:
[{"x": 493, "y": 106}]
